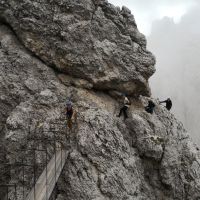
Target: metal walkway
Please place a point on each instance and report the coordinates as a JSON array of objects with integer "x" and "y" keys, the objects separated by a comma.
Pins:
[
  {"x": 40, "y": 141},
  {"x": 49, "y": 177}
]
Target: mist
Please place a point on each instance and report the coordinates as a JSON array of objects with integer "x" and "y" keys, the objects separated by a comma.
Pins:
[
  {"x": 146, "y": 11},
  {"x": 175, "y": 41},
  {"x": 177, "y": 50}
]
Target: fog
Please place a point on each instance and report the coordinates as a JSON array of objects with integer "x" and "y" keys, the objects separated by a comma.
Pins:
[
  {"x": 177, "y": 50},
  {"x": 173, "y": 35},
  {"x": 146, "y": 11}
]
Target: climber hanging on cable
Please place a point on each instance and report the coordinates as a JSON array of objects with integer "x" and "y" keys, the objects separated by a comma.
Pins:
[
  {"x": 150, "y": 107},
  {"x": 168, "y": 103},
  {"x": 125, "y": 107}
]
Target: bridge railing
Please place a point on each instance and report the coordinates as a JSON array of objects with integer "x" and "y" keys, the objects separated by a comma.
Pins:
[{"x": 17, "y": 190}]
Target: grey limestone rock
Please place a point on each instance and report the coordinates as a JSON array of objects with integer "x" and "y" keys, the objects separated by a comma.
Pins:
[
  {"x": 144, "y": 157},
  {"x": 92, "y": 40}
]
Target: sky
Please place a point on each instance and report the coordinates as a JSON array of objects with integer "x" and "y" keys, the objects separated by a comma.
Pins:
[
  {"x": 147, "y": 11},
  {"x": 172, "y": 28}
]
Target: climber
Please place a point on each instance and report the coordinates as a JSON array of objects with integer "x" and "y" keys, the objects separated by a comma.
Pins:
[
  {"x": 150, "y": 107},
  {"x": 69, "y": 109},
  {"x": 69, "y": 113},
  {"x": 168, "y": 103},
  {"x": 125, "y": 107}
]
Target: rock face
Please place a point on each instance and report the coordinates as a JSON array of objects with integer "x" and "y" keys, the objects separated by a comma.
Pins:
[
  {"x": 87, "y": 51},
  {"x": 92, "y": 40}
]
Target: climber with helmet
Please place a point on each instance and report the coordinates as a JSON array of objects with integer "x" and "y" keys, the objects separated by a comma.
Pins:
[
  {"x": 168, "y": 103},
  {"x": 150, "y": 107},
  {"x": 125, "y": 107}
]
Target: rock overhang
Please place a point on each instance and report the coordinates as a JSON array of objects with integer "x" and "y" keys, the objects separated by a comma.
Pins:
[{"x": 87, "y": 39}]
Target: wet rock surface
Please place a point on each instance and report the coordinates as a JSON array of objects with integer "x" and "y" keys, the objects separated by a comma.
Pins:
[{"x": 143, "y": 157}]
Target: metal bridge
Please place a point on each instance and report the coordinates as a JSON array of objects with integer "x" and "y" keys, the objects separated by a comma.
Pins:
[{"x": 42, "y": 186}]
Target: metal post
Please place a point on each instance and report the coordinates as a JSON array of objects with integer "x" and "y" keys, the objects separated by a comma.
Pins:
[
  {"x": 15, "y": 192},
  {"x": 46, "y": 177},
  {"x": 34, "y": 174},
  {"x": 61, "y": 154},
  {"x": 7, "y": 192},
  {"x": 23, "y": 177},
  {"x": 55, "y": 155}
]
